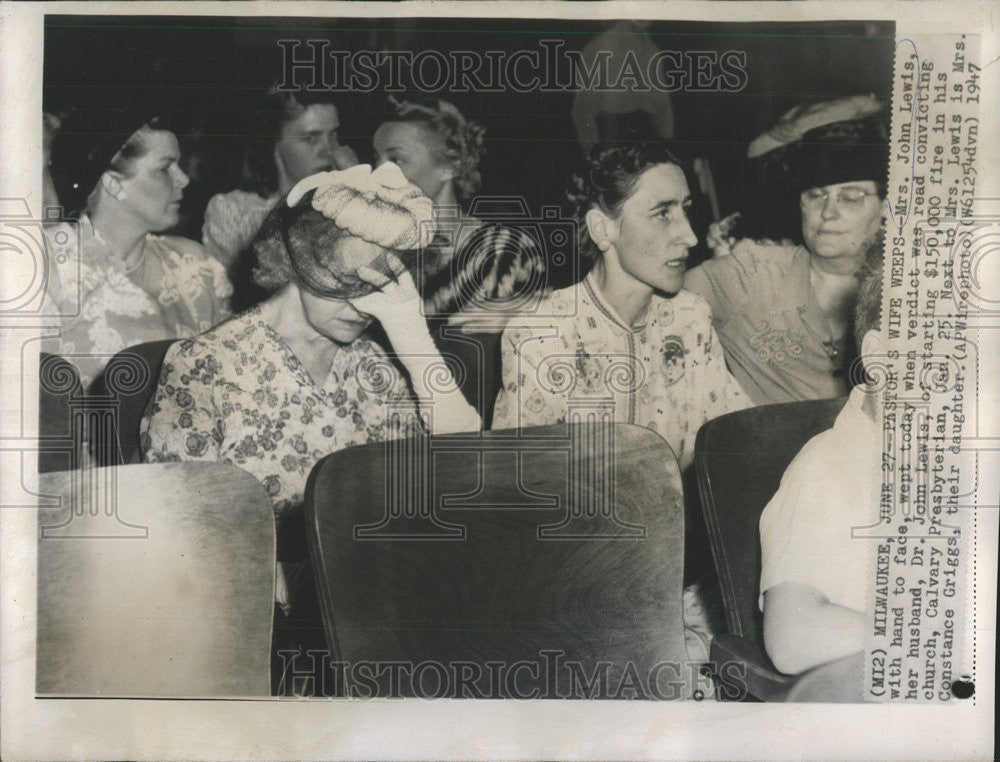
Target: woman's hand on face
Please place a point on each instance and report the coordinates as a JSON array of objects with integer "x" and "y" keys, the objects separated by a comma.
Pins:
[
  {"x": 398, "y": 307},
  {"x": 396, "y": 297}
]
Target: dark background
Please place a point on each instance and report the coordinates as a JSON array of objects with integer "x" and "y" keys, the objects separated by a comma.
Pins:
[{"x": 207, "y": 71}]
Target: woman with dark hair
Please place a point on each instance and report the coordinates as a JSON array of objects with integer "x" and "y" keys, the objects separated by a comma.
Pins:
[
  {"x": 470, "y": 263},
  {"x": 293, "y": 379},
  {"x": 628, "y": 333},
  {"x": 294, "y": 135},
  {"x": 116, "y": 282}
]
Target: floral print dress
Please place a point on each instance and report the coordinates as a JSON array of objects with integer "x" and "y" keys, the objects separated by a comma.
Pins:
[
  {"x": 239, "y": 395},
  {"x": 667, "y": 373},
  {"x": 176, "y": 291}
]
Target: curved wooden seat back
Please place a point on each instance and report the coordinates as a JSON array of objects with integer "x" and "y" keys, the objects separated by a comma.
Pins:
[
  {"x": 59, "y": 445},
  {"x": 510, "y": 557},
  {"x": 740, "y": 459},
  {"x": 128, "y": 382},
  {"x": 155, "y": 580}
]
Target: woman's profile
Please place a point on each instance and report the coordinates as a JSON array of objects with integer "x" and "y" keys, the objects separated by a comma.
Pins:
[
  {"x": 114, "y": 279},
  {"x": 628, "y": 334},
  {"x": 470, "y": 262}
]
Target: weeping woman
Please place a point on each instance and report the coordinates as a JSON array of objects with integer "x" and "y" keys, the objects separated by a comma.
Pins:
[{"x": 296, "y": 378}]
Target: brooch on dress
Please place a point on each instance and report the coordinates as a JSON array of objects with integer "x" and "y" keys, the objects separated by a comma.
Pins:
[
  {"x": 672, "y": 359},
  {"x": 775, "y": 346}
]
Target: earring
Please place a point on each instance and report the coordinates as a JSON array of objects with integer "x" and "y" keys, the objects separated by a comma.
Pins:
[{"x": 604, "y": 244}]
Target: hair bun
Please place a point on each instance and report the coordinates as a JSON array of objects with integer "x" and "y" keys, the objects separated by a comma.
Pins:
[{"x": 578, "y": 193}]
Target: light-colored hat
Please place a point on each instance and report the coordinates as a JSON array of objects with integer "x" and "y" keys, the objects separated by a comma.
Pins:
[
  {"x": 827, "y": 142},
  {"x": 796, "y": 122},
  {"x": 380, "y": 206}
]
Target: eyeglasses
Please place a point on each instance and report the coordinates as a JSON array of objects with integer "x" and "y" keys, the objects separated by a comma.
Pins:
[{"x": 847, "y": 198}]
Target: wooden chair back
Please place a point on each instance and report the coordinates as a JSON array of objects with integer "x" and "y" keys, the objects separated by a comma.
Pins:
[
  {"x": 155, "y": 580},
  {"x": 542, "y": 563},
  {"x": 739, "y": 459}
]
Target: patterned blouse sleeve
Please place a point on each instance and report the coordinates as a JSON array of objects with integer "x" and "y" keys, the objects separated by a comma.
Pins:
[
  {"x": 196, "y": 279},
  {"x": 182, "y": 422},
  {"x": 64, "y": 262},
  {"x": 222, "y": 287},
  {"x": 531, "y": 394},
  {"x": 723, "y": 393},
  {"x": 224, "y": 233}
]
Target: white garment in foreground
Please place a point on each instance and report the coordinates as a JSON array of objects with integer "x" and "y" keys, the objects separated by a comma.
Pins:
[{"x": 829, "y": 489}]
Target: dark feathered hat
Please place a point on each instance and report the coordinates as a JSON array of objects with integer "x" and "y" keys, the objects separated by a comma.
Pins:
[{"x": 856, "y": 149}]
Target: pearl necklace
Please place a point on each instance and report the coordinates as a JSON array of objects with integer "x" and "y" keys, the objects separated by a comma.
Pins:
[{"x": 127, "y": 269}]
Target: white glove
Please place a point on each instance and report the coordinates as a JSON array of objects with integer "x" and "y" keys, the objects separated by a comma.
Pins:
[{"x": 398, "y": 307}]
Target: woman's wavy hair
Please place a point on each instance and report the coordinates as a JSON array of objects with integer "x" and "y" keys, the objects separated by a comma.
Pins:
[
  {"x": 607, "y": 180},
  {"x": 285, "y": 232},
  {"x": 460, "y": 140},
  {"x": 868, "y": 310},
  {"x": 258, "y": 172}
]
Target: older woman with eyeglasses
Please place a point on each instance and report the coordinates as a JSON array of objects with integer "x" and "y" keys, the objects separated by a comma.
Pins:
[{"x": 783, "y": 312}]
